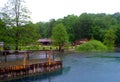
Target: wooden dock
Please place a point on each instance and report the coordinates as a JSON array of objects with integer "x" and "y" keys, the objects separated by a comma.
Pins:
[
  {"x": 9, "y": 70},
  {"x": 19, "y": 70}
]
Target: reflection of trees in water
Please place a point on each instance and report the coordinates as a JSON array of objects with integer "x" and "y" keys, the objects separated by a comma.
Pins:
[
  {"x": 65, "y": 70},
  {"x": 117, "y": 59},
  {"x": 108, "y": 56},
  {"x": 38, "y": 77}
]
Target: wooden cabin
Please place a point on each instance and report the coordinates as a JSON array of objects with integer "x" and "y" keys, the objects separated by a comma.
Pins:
[{"x": 45, "y": 41}]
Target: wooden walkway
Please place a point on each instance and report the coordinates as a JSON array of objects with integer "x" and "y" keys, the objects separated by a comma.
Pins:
[
  {"x": 10, "y": 72},
  {"x": 20, "y": 62}
]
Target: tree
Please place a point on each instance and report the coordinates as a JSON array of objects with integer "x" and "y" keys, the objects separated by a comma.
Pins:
[
  {"x": 30, "y": 34},
  {"x": 5, "y": 34},
  {"x": 2, "y": 30},
  {"x": 41, "y": 28},
  {"x": 59, "y": 35},
  {"x": 117, "y": 32},
  {"x": 15, "y": 15},
  {"x": 109, "y": 39},
  {"x": 69, "y": 22},
  {"x": 49, "y": 28},
  {"x": 117, "y": 16},
  {"x": 83, "y": 26}
]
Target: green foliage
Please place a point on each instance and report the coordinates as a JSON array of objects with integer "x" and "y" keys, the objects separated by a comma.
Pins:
[
  {"x": 59, "y": 35},
  {"x": 17, "y": 31},
  {"x": 91, "y": 46},
  {"x": 38, "y": 47},
  {"x": 69, "y": 22},
  {"x": 20, "y": 32},
  {"x": 5, "y": 33},
  {"x": 117, "y": 33},
  {"x": 109, "y": 39},
  {"x": 45, "y": 28},
  {"x": 83, "y": 26},
  {"x": 42, "y": 29},
  {"x": 30, "y": 34},
  {"x": 15, "y": 15}
]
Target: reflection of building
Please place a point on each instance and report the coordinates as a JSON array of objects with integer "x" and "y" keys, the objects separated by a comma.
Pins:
[{"x": 45, "y": 41}]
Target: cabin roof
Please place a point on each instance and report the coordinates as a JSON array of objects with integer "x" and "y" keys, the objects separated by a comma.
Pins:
[{"x": 44, "y": 40}]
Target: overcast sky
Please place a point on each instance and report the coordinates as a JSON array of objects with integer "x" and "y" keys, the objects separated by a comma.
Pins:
[{"x": 44, "y": 10}]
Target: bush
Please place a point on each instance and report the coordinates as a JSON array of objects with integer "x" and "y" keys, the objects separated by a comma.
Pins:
[{"x": 91, "y": 46}]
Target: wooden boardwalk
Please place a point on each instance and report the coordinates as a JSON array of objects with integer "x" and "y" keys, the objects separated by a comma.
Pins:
[
  {"x": 9, "y": 70},
  {"x": 20, "y": 62},
  {"x": 34, "y": 67}
]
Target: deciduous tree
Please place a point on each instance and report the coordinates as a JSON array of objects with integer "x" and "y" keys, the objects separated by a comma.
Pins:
[
  {"x": 109, "y": 39},
  {"x": 59, "y": 35},
  {"x": 15, "y": 15}
]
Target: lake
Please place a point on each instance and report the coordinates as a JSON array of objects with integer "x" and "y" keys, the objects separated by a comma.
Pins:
[{"x": 82, "y": 67}]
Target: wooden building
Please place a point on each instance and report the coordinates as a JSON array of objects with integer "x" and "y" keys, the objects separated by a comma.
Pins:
[{"x": 45, "y": 41}]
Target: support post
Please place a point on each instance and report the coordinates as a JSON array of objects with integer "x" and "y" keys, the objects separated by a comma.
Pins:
[
  {"x": 5, "y": 56},
  {"x": 24, "y": 60}
]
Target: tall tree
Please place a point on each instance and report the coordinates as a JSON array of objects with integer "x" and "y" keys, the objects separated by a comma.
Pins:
[
  {"x": 50, "y": 27},
  {"x": 59, "y": 35},
  {"x": 15, "y": 14},
  {"x": 69, "y": 22}
]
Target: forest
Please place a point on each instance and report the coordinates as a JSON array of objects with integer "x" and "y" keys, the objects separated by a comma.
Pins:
[
  {"x": 91, "y": 26},
  {"x": 84, "y": 26},
  {"x": 87, "y": 25}
]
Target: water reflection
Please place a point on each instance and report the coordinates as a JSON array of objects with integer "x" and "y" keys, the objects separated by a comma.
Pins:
[{"x": 47, "y": 77}]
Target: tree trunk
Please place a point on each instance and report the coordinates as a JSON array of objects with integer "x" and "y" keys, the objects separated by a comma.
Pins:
[
  {"x": 5, "y": 56},
  {"x": 61, "y": 49},
  {"x": 16, "y": 44},
  {"x": 16, "y": 39}
]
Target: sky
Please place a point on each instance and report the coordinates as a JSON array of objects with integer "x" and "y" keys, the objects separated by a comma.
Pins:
[{"x": 44, "y": 10}]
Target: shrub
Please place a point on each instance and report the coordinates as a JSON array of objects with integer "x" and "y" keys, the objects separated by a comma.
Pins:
[{"x": 91, "y": 46}]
